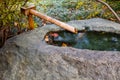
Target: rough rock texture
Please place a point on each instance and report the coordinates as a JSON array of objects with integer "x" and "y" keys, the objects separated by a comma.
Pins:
[{"x": 28, "y": 57}]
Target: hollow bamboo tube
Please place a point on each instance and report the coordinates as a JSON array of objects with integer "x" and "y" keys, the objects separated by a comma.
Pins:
[{"x": 52, "y": 20}]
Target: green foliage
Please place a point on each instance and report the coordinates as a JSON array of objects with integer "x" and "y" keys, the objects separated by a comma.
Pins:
[
  {"x": 63, "y": 10},
  {"x": 10, "y": 12},
  {"x": 114, "y": 4},
  {"x": 106, "y": 13},
  {"x": 66, "y": 10}
]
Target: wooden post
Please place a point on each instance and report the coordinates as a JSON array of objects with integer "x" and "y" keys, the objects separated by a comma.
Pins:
[
  {"x": 26, "y": 11},
  {"x": 31, "y": 11},
  {"x": 31, "y": 22}
]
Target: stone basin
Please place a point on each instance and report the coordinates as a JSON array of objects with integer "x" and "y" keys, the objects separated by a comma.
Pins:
[
  {"x": 92, "y": 40},
  {"x": 28, "y": 57}
]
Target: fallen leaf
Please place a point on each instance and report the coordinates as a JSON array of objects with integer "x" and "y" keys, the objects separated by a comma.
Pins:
[
  {"x": 15, "y": 23},
  {"x": 64, "y": 45},
  {"x": 46, "y": 38}
]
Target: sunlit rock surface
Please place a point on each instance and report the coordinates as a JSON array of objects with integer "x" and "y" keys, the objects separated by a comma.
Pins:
[{"x": 28, "y": 57}]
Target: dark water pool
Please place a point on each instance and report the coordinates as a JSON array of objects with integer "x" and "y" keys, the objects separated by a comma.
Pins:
[{"x": 102, "y": 41}]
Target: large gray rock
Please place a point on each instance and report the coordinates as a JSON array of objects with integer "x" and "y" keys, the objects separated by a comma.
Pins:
[{"x": 28, "y": 57}]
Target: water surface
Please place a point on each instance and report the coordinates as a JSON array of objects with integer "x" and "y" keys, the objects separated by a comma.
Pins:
[{"x": 89, "y": 40}]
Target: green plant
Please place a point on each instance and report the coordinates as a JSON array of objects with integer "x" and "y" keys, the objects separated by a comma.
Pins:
[
  {"x": 11, "y": 19},
  {"x": 10, "y": 12},
  {"x": 66, "y": 10}
]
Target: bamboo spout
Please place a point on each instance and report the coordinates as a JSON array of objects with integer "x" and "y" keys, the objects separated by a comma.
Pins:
[
  {"x": 52, "y": 20},
  {"x": 32, "y": 11}
]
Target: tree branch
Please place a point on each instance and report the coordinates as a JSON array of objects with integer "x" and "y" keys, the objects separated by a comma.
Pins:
[{"x": 115, "y": 14}]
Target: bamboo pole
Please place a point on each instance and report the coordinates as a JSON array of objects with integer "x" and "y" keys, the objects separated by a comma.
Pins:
[{"x": 52, "y": 20}]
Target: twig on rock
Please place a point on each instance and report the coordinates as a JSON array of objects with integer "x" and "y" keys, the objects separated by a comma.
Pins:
[{"x": 108, "y": 6}]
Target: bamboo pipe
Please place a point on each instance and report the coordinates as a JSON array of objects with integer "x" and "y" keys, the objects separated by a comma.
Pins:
[{"x": 52, "y": 20}]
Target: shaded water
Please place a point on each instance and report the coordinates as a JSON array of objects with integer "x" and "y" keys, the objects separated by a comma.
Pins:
[{"x": 89, "y": 40}]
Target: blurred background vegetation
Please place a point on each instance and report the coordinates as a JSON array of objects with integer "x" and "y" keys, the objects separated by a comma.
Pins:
[
  {"x": 64, "y": 10},
  {"x": 67, "y": 10}
]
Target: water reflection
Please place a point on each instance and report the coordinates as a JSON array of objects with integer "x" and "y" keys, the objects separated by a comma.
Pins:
[{"x": 87, "y": 40}]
